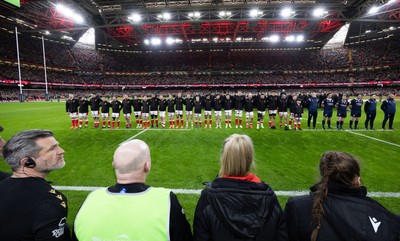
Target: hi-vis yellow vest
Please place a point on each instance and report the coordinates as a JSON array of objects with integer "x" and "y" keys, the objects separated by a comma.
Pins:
[{"x": 106, "y": 216}]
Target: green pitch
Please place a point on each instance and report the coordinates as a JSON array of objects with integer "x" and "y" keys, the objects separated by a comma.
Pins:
[{"x": 184, "y": 159}]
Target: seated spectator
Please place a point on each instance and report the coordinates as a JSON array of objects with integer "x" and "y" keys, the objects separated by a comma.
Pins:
[
  {"x": 338, "y": 208},
  {"x": 131, "y": 208},
  {"x": 237, "y": 205}
]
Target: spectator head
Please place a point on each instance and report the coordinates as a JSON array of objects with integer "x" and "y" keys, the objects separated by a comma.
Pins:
[
  {"x": 337, "y": 167},
  {"x": 228, "y": 96},
  {"x": 197, "y": 98},
  {"x": 294, "y": 97},
  {"x": 70, "y": 96},
  {"x": 237, "y": 156},
  {"x": 92, "y": 95},
  {"x": 114, "y": 97},
  {"x": 314, "y": 95},
  {"x": 188, "y": 96},
  {"x": 153, "y": 96},
  {"x": 391, "y": 96},
  {"x": 373, "y": 96},
  {"x": 161, "y": 97},
  {"x": 179, "y": 95},
  {"x": 125, "y": 96},
  {"x": 132, "y": 162},
  {"x": 38, "y": 145}
]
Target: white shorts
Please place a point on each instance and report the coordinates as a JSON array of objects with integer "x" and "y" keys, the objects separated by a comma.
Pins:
[
  {"x": 238, "y": 113},
  {"x": 261, "y": 112},
  {"x": 249, "y": 114},
  {"x": 171, "y": 114},
  {"x": 73, "y": 114},
  {"x": 82, "y": 115},
  {"x": 179, "y": 112},
  {"x": 153, "y": 112},
  {"x": 228, "y": 112},
  {"x": 197, "y": 115},
  {"x": 272, "y": 112},
  {"x": 283, "y": 114},
  {"x": 95, "y": 113},
  {"x": 218, "y": 113},
  {"x": 291, "y": 115},
  {"x": 189, "y": 112},
  {"x": 145, "y": 114},
  {"x": 297, "y": 119},
  {"x": 137, "y": 113},
  {"x": 127, "y": 115},
  {"x": 105, "y": 115},
  {"x": 115, "y": 115},
  {"x": 207, "y": 112},
  {"x": 162, "y": 114}
]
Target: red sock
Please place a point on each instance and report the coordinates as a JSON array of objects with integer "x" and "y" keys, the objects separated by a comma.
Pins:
[
  {"x": 104, "y": 123},
  {"x": 181, "y": 122},
  {"x": 290, "y": 122},
  {"x": 177, "y": 122},
  {"x": 152, "y": 122},
  {"x": 205, "y": 122},
  {"x": 118, "y": 123},
  {"x": 157, "y": 122},
  {"x": 109, "y": 122},
  {"x": 137, "y": 122},
  {"x": 299, "y": 125},
  {"x": 80, "y": 122},
  {"x": 140, "y": 121},
  {"x": 210, "y": 122},
  {"x": 196, "y": 123},
  {"x": 236, "y": 121},
  {"x": 295, "y": 125},
  {"x": 240, "y": 122}
]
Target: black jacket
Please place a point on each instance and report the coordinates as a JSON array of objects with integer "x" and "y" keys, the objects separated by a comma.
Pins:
[
  {"x": 230, "y": 209},
  {"x": 349, "y": 216}
]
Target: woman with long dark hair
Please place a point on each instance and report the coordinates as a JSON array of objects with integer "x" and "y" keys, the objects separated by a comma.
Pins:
[{"x": 338, "y": 209}]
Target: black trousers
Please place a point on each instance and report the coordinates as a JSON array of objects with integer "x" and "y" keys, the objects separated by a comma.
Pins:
[
  {"x": 370, "y": 119},
  {"x": 389, "y": 117},
  {"x": 312, "y": 115}
]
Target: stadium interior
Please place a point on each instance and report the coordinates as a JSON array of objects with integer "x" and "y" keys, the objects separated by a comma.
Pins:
[{"x": 203, "y": 45}]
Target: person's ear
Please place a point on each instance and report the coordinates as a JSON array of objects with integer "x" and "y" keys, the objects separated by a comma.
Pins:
[{"x": 147, "y": 166}]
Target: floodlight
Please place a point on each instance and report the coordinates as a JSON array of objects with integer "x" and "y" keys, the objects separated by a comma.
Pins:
[
  {"x": 190, "y": 15},
  {"x": 300, "y": 38},
  {"x": 286, "y": 12},
  {"x": 289, "y": 38},
  {"x": 166, "y": 16},
  {"x": 367, "y": 31},
  {"x": 222, "y": 14},
  {"x": 254, "y": 13},
  {"x": 69, "y": 13},
  {"x": 146, "y": 42},
  {"x": 196, "y": 14},
  {"x": 135, "y": 18},
  {"x": 169, "y": 41},
  {"x": 373, "y": 9},
  {"x": 215, "y": 40},
  {"x": 318, "y": 12},
  {"x": 155, "y": 41},
  {"x": 47, "y": 32},
  {"x": 274, "y": 38}
]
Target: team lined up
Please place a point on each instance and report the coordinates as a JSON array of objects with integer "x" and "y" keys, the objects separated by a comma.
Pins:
[{"x": 149, "y": 112}]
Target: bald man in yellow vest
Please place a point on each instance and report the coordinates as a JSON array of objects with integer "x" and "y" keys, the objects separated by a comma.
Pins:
[{"x": 132, "y": 210}]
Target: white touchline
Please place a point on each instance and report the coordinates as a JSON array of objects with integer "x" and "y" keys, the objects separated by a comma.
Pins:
[
  {"x": 133, "y": 137},
  {"x": 373, "y": 138},
  {"x": 198, "y": 191}
]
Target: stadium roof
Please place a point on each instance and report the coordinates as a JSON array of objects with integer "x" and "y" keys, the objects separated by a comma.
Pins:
[{"x": 197, "y": 25}]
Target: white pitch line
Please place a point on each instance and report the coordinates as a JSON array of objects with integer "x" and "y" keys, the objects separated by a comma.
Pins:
[
  {"x": 147, "y": 129},
  {"x": 198, "y": 191},
  {"x": 133, "y": 137},
  {"x": 373, "y": 138}
]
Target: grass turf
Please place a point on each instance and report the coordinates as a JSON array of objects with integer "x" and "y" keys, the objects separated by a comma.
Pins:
[{"x": 287, "y": 160}]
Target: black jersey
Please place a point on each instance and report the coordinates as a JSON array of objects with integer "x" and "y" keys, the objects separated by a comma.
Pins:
[
  {"x": 228, "y": 104},
  {"x": 261, "y": 104},
  {"x": 84, "y": 106},
  {"x": 208, "y": 104},
  {"x": 272, "y": 102},
  {"x": 137, "y": 105},
  {"x": 146, "y": 106},
  {"x": 32, "y": 210},
  {"x": 154, "y": 102},
  {"x": 171, "y": 105},
  {"x": 249, "y": 105},
  {"x": 162, "y": 105},
  {"x": 179, "y": 103},
  {"x": 356, "y": 106},
  {"x": 238, "y": 102},
  {"x": 95, "y": 103},
  {"x": 342, "y": 106},
  {"x": 217, "y": 104},
  {"x": 189, "y": 104},
  {"x": 282, "y": 105},
  {"x": 328, "y": 105},
  {"x": 105, "y": 107},
  {"x": 198, "y": 106},
  {"x": 116, "y": 106},
  {"x": 297, "y": 110},
  {"x": 127, "y": 106},
  {"x": 72, "y": 105}
]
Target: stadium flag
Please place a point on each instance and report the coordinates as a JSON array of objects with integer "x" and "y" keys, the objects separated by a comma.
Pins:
[
  {"x": 21, "y": 98},
  {"x": 45, "y": 70}
]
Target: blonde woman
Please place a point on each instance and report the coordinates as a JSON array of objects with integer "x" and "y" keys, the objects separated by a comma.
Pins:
[{"x": 237, "y": 205}]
